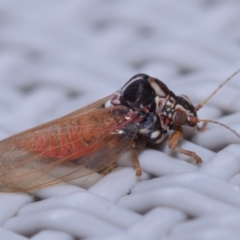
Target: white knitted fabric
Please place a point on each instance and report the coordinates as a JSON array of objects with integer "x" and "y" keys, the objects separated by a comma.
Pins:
[{"x": 58, "y": 56}]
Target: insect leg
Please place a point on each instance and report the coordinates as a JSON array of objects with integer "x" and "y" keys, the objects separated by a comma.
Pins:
[
  {"x": 173, "y": 141},
  {"x": 108, "y": 169},
  {"x": 137, "y": 144},
  {"x": 136, "y": 163}
]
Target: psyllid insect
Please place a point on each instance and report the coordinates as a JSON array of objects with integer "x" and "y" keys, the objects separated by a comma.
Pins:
[{"x": 93, "y": 138}]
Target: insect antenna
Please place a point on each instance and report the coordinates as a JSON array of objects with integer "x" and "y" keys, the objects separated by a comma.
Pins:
[
  {"x": 221, "y": 124},
  {"x": 200, "y": 105}
]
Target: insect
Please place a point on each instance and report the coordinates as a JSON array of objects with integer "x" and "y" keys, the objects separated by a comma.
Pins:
[{"x": 93, "y": 138}]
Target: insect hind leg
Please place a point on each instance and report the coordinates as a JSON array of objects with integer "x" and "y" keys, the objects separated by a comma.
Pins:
[{"x": 108, "y": 169}]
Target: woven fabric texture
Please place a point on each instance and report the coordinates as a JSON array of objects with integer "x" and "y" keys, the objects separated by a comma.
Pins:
[{"x": 58, "y": 56}]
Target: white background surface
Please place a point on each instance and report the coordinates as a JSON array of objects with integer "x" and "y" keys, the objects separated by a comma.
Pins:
[{"x": 57, "y": 56}]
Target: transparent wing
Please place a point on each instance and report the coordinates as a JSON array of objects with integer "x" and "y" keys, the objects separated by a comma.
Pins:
[
  {"x": 65, "y": 149},
  {"x": 96, "y": 105}
]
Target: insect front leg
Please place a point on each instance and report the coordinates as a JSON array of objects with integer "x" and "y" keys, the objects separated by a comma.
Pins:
[{"x": 173, "y": 142}]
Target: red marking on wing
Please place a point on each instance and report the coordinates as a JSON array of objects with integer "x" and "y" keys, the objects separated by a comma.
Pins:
[
  {"x": 31, "y": 159},
  {"x": 69, "y": 142}
]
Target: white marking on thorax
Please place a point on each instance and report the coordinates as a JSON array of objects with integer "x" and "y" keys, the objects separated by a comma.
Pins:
[{"x": 129, "y": 83}]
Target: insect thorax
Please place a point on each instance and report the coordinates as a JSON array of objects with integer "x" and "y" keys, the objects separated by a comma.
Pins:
[{"x": 152, "y": 99}]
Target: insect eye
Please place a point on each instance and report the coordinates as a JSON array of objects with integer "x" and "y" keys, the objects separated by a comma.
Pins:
[{"x": 180, "y": 118}]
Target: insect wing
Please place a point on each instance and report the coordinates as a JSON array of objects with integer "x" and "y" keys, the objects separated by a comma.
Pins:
[
  {"x": 89, "y": 108},
  {"x": 65, "y": 149}
]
